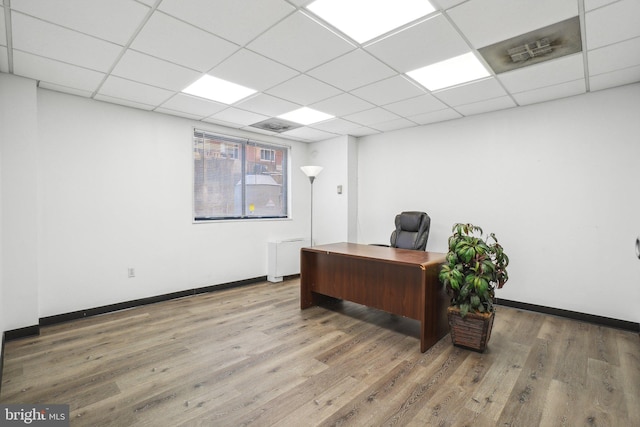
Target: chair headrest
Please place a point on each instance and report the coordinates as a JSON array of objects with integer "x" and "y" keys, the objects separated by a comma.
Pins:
[{"x": 410, "y": 221}]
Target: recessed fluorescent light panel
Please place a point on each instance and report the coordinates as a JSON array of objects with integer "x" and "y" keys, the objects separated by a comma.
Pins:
[
  {"x": 216, "y": 89},
  {"x": 363, "y": 20},
  {"x": 306, "y": 116},
  {"x": 451, "y": 72}
]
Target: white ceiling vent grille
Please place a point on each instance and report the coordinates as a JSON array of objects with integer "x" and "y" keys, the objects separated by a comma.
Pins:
[
  {"x": 276, "y": 125},
  {"x": 554, "y": 41}
]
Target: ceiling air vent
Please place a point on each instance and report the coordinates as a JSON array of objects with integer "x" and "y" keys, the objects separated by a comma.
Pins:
[
  {"x": 276, "y": 125},
  {"x": 554, "y": 41},
  {"x": 530, "y": 50}
]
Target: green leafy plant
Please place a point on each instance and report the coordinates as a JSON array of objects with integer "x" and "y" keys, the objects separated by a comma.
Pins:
[{"x": 475, "y": 267}]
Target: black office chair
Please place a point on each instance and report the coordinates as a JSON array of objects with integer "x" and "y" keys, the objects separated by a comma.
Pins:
[{"x": 412, "y": 231}]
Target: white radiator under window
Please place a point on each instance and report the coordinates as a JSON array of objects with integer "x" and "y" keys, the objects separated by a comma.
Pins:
[{"x": 284, "y": 258}]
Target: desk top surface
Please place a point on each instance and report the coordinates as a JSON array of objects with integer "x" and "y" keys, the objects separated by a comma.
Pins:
[{"x": 382, "y": 253}]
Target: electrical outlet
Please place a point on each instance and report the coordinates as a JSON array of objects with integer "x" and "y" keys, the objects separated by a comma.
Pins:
[{"x": 132, "y": 272}]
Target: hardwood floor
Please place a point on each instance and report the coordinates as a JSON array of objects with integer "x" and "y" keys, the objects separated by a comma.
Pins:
[{"x": 250, "y": 356}]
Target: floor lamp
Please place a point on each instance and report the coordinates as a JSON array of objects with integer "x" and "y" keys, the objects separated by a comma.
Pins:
[{"x": 311, "y": 172}]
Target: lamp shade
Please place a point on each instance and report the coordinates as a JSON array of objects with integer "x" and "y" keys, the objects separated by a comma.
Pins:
[{"x": 311, "y": 171}]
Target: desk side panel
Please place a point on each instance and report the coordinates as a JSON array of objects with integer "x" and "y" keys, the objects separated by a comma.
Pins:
[
  {"x": 307, "y": 277},
  {"x": 310, "y": 269},
  {"x": 436, "y": 322}
]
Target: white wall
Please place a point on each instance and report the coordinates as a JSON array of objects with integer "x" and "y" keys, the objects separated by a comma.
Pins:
[
  {"x": 18, "y": 201},
  {"x": 113, "y": 191},
  {"x": 557, "y": 183},
  {"x": 335, "y": 215},
  {"x": 352, "y": 187}
]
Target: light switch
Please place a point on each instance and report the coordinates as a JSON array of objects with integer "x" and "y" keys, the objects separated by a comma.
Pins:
[{"x": 339, "y": 189}]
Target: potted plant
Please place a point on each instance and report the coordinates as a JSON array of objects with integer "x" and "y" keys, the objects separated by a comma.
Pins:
[{"x": 475, "y": 267}]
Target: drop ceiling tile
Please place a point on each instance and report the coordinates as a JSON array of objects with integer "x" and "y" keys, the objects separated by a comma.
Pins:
[
  {"x": 59, "y": 73},
  {"x": 113, "y": 20},
  {"x": 65, "y": 89},
  {"x": 471, "y": 92},
  {"x": 153, "y": 71},
  {"x": 69, "y": 45},
  {"x": 490, "y": 21},
  {"x": 304, "y": 90},
  {"x": 193, "y": 105},
  {"x": 267, "y": 105},
  {"x": 615, "y": 78},
  {"x": 300, "y": 43},
  {"x": 428, "y": 42},
  {"x": 123, "y": 89},
  {"x": 393, "y": 89},
  {"x": 353, "y": 70},
  {"x": 62, "y": 44},
  {"x": 610, "y": 58},
  {"x": 613, "y": 23},
  {"x": 594, "y": 4},
  {"x": 178, "y": 113},
  {"x": 342, "y": 105},
  {"x": 252, "y": 70},
  {"x": 372, "y": 116},
  {"x": 238, "y": 117},
  {"x": 125, "y": 102},
  {"x": 421, "y": 104},
  {"x": 435, "y": 116},
  {"x": 225, "y": 124},
  {"x": 338, "y": 126},
  {"x": 4, "y": 60},
  {"x": 167, "y": 38},
  {"x": 567, "y": 68},
  {"x": 363, "y": 131},
  {"x": 308, "y": 134},
  {"x": 445, "y": 4},
  {"x": 236, "y": 21},
  {"x": 396, "y": 124},
  {"x": 486, "y": 106},
  {"x": 548, "y": 93}
]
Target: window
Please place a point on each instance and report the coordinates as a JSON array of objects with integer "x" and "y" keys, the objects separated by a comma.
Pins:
[
  {"x": 236, "y": 178},
  {"x": 267, "y": 155}
]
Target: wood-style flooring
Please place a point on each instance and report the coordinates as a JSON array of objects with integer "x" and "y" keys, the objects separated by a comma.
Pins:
[{"x": 249, "y": 356}]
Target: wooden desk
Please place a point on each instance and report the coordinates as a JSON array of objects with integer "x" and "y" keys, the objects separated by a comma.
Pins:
[{"x": 398, "y": 281}]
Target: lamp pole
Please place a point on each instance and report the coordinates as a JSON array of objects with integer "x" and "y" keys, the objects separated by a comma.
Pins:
[{"x": 311, "y": 172}]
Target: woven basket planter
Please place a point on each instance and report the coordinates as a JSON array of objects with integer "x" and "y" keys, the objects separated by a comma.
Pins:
[{"x": 473, "y": 331}]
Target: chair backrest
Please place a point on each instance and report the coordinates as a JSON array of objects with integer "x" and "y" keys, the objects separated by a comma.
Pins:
[{"x": 412, "y": 231}]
